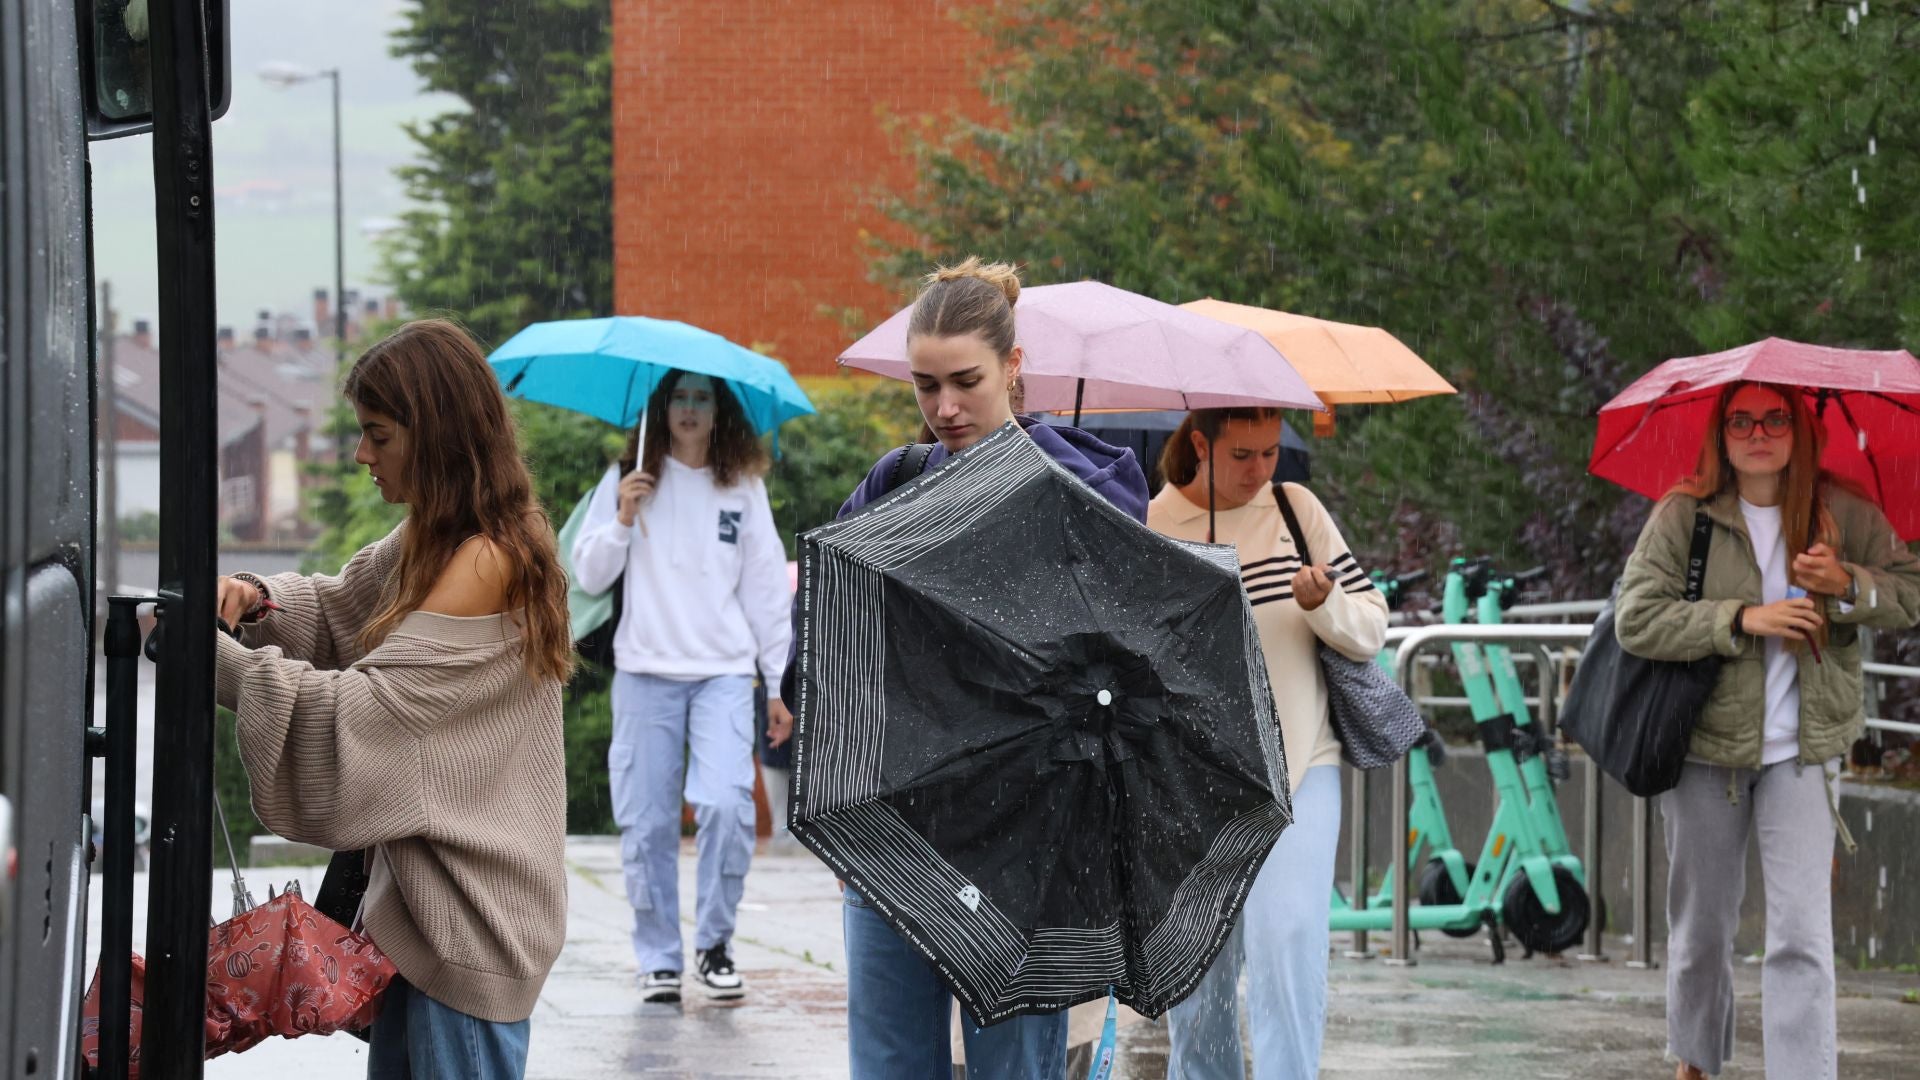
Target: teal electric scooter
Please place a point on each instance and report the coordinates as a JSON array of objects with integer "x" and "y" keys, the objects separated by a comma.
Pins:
[
  {"x": 1515, "y": 883},
  {"x": 1540, "y": 883}
]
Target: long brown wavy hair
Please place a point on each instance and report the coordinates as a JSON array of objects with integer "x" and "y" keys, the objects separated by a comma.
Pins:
[
  {"x": 1804, "y": 518},
  {"x": 465, "y": 477},
  {"x": 736, "y": 452}
]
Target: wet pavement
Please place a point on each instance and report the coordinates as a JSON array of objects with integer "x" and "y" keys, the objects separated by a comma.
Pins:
[{"x": 1454, "y": 1014}]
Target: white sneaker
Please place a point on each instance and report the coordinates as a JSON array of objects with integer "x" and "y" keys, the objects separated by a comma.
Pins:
[
  {"x": 660, "y": 986},
  {"x": 716, "y": 970}
]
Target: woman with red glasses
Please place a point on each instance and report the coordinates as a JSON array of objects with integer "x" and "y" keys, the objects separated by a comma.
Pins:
[{"x": 1797, "y": 565}]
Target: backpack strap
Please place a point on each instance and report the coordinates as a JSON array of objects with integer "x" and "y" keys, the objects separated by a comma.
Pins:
[
  {"x": 1293, "y": 525},
  {"x": 909, "y": 465},
  {"x": 1697, "y": 555}
]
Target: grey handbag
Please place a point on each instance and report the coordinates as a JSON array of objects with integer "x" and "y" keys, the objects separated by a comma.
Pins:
[{"x": 1375, "y": 721}]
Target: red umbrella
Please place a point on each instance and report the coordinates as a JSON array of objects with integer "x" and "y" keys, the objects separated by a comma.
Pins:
[
  {"x": 1868, "y": 402},
  {"x": 281, "y": 968}
]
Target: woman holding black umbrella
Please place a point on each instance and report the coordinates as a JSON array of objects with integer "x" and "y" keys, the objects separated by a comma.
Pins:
[
  {"x": 1797, "y": 563},
  {"x": 966, "y": 372},
  {"x": 1219, "y": 466}
]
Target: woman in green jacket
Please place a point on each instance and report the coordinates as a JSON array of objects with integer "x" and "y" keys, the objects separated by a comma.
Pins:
[{"x": 1798, "y": 564}]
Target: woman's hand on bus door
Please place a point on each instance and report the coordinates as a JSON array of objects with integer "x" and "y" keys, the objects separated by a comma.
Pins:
[
  {"x": 779, "y": 722},
  {"x": 236, "y": 600},
  {"x": 1312, "y": 585},
  {"x": 635, "y": 488}
]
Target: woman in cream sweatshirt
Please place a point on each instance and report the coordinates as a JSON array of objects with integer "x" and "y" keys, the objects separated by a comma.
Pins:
[
  {"x": 411, "y": 705},
  {"x": 1219, "y": 467},
  {"x": 683, "y": 525}
]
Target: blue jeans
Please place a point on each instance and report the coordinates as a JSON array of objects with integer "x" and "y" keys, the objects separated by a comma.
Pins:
[
  {"x": 1282, "y": 940},
  {"x": 899, "y": 1017},
  {"x": 675, "y": 740},
  {"x": 417, "y": 1038}
]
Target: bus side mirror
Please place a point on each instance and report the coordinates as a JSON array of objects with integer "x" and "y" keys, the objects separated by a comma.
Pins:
[{"x": 117, "y": 64}]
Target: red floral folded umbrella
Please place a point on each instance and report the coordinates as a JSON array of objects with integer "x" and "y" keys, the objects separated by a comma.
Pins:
[{"x": 279, "y": 969}]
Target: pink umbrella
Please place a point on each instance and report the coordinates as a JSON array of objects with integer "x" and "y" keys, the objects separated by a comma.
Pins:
[
  {"x": 1092, "y": 346},
  {"x": 1868, "y": 402}
]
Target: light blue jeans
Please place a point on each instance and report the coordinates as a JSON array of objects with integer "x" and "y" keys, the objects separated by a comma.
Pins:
[
  {"x": 1282, "y": 940},
  {"x": 417, "y": 1038},
  {"x": 675, "y": 740},
  {"x": 900, "y": 1015}
]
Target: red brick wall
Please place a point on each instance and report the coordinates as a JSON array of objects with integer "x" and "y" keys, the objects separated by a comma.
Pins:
[{"x": 747, "y": 138}]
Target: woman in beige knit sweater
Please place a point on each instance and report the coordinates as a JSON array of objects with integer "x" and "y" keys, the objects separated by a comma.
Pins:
[
  {"x": 1219, "y": 467},
  {"x": 411, "y": 706}
]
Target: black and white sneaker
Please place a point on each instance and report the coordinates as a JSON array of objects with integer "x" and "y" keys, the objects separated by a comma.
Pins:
[
  {"x": 660, "y": 986},
  {"x": 716, "y": 970}
]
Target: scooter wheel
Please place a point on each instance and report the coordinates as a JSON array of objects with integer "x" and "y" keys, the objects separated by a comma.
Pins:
[
  {"x": 1436, "y": 890},
  {"x": 1534, "y": 926}
]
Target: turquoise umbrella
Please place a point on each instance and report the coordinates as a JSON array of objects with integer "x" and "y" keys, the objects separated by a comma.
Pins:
[{"x": 606, "y": 368}]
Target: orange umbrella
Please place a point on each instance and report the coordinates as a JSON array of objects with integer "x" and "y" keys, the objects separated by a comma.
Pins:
[{"x": 1343, "y": 363}]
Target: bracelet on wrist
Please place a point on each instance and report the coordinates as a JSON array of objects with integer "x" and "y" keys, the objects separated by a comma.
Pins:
[{"x": 260, "y": 606}]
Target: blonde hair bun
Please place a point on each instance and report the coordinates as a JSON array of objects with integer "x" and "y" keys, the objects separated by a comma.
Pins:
[{"x": 1002, "y": 276}]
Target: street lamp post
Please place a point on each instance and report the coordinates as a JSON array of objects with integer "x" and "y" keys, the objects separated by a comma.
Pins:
[{"x": 284, "y": 75}]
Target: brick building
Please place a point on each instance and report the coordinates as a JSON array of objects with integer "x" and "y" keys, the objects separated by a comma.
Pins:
[{"x": 748, "y": 139}]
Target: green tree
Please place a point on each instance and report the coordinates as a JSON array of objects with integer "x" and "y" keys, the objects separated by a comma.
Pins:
[
  {"x": 1499, "y": 184},
  {"x": 825, "y": 456},
  {"x": 515, "y": 191},
  {"x": 1804, "y": 143}
]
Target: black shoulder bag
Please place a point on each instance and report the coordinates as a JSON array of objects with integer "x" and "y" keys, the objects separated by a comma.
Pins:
[
  {"x": 1634, "y": 716},
  {"x": 1375, "y": 721}
]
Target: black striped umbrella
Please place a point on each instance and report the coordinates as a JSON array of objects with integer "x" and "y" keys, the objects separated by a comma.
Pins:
[{"x": 1036, "y": 736}]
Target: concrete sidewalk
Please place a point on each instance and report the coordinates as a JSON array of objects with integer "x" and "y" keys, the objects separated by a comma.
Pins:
[{"x": 1454, "y": 1014}]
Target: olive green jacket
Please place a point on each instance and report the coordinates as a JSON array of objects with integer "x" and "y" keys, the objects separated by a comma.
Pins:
[{"x": 1654, "y": 621}]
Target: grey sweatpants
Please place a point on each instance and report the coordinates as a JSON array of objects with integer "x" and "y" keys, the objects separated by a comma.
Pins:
[{"x": 1786, "y": 804}]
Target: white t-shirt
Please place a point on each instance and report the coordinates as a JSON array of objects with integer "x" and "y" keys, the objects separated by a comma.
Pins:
[{"x": 1782, "y": 732}]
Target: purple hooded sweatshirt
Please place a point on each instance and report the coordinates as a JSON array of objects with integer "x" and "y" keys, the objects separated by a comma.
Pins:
[{"x": 1110, "y": 471}]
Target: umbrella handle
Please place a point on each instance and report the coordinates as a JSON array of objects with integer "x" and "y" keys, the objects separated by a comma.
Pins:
[{"x": 242, "y": 899}]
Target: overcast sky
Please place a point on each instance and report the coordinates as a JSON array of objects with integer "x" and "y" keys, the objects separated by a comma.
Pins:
[{"x": 273, "y": 163}]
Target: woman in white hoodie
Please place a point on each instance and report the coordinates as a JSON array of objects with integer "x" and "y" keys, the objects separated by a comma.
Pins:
[{"x": 685, "y": 519}]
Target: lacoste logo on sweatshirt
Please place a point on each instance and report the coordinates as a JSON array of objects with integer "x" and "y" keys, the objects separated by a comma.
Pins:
[{"x": 730, "y": 526}]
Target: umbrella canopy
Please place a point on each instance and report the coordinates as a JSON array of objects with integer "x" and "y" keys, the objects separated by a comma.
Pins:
[
  {"x": 1343, "y": 363},
  {"x": 606, "y": 368},
  {"x": 1146, "y": 433},
  {"x": 281, "y": 968},
  {"x": 1868, "y": 403},
  {"x": 284, "y": 969},
  {"x": 1034, "y": 734},
  {"x": 1092, "y": 346}
]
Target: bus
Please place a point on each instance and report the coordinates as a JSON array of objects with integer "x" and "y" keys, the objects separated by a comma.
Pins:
[{"x": 72, "y": 71}]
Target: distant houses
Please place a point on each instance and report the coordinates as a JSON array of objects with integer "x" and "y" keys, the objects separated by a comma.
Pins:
[{"x": 277, "y": 387}]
